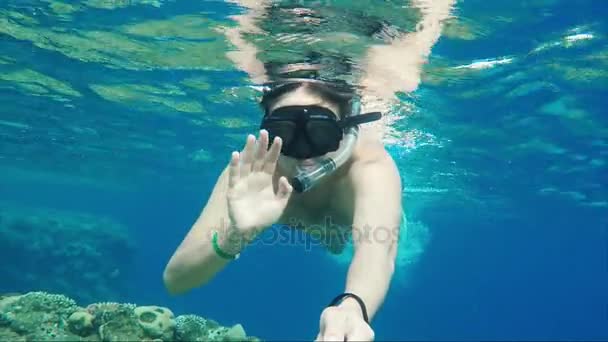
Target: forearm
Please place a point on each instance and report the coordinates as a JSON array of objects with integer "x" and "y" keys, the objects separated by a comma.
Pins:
[
  {"x": 195, "y": 262},
  {"x": 369, "y": 277}
]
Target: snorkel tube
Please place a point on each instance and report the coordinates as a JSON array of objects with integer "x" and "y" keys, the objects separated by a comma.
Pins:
[{"x": 309, "y": 175}]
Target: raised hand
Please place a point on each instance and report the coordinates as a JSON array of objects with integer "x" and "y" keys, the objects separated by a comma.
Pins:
[{"x": 253, "y": 202}]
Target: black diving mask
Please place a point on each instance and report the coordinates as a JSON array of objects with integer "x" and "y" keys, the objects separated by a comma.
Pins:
[{"x": 310, "y": 131}]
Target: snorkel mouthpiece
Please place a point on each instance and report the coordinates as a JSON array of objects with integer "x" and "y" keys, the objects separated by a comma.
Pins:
[{"x": 308, "y": 176}]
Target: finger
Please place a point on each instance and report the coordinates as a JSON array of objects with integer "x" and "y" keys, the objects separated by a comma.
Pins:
[
  {"x": 260, "y": 154},
  {"x": 233, "y": 170},
  {"x": 272, "y": 156},
  {"x": 285, "y": 189},
  {"x": 322, "y": 321},
  {"x": 334, "y": 336},
  {"x": 360, "y": 334},
  {"x": 247, "y": 156},
  {"x": 335, "y": 329}
]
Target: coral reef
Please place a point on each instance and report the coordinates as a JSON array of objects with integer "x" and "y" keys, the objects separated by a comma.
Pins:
[
  {"x": 83, "y": 256},
  {"x": 41, "y": 316}
]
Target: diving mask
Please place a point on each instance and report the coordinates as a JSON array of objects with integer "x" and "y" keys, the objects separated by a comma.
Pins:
[{"x": 310, "y": 131}]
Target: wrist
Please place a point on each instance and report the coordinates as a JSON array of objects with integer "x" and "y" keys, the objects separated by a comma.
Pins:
[
  {"x": 351, "y": 305},
  {"x": 230, "y": 240}
]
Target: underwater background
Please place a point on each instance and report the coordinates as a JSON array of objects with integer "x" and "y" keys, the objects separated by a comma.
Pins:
[{"x": 117, "y": 116}]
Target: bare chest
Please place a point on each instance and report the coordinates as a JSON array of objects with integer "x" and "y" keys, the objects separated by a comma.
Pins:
[{"x": 330, "y": 208}]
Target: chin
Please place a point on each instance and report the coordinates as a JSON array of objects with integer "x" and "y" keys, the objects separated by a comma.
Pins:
[{"x": 290, "y": 165}]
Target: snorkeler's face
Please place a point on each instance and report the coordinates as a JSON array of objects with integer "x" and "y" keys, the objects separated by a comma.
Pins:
[{"x": 306, "y": 122}]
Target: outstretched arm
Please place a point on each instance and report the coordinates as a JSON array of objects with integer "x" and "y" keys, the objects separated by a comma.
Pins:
[
  {"x": 397, "y": 66},
  {"x": 376, "y": 228},
  {"x": 377, "y": 218}
]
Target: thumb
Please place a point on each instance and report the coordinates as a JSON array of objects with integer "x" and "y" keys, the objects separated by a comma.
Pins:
[{"x": 285, "y": 189}]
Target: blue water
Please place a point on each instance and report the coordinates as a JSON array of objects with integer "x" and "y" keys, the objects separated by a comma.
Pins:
[{"x": 516, "y": 210}]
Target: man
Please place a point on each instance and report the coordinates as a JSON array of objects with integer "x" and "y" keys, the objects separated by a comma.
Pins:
[{"x": 311, "y": 162}]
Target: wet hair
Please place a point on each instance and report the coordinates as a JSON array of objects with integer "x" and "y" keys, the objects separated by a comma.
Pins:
[{"x": 342, "y": 97}]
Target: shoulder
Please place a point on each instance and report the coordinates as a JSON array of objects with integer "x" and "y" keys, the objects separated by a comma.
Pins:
[
  {"x": 370, "y": 150},
  {"x": 370, "y": 163}
]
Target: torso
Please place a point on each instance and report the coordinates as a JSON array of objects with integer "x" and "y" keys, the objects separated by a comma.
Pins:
[{"x": 328, "y": 208}]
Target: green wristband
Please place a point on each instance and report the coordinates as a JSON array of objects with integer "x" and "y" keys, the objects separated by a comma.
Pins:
[{"x": 220, "y": 252}]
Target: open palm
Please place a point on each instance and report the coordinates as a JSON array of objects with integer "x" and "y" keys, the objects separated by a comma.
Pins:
[{"x": 253, "y": 202}]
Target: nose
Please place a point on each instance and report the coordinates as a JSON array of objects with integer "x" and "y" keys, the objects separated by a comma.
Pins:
[{"x": 300, "y": 148}]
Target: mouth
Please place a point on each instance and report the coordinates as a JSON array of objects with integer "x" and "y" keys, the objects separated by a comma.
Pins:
[{"x": 307, "y": 162}]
